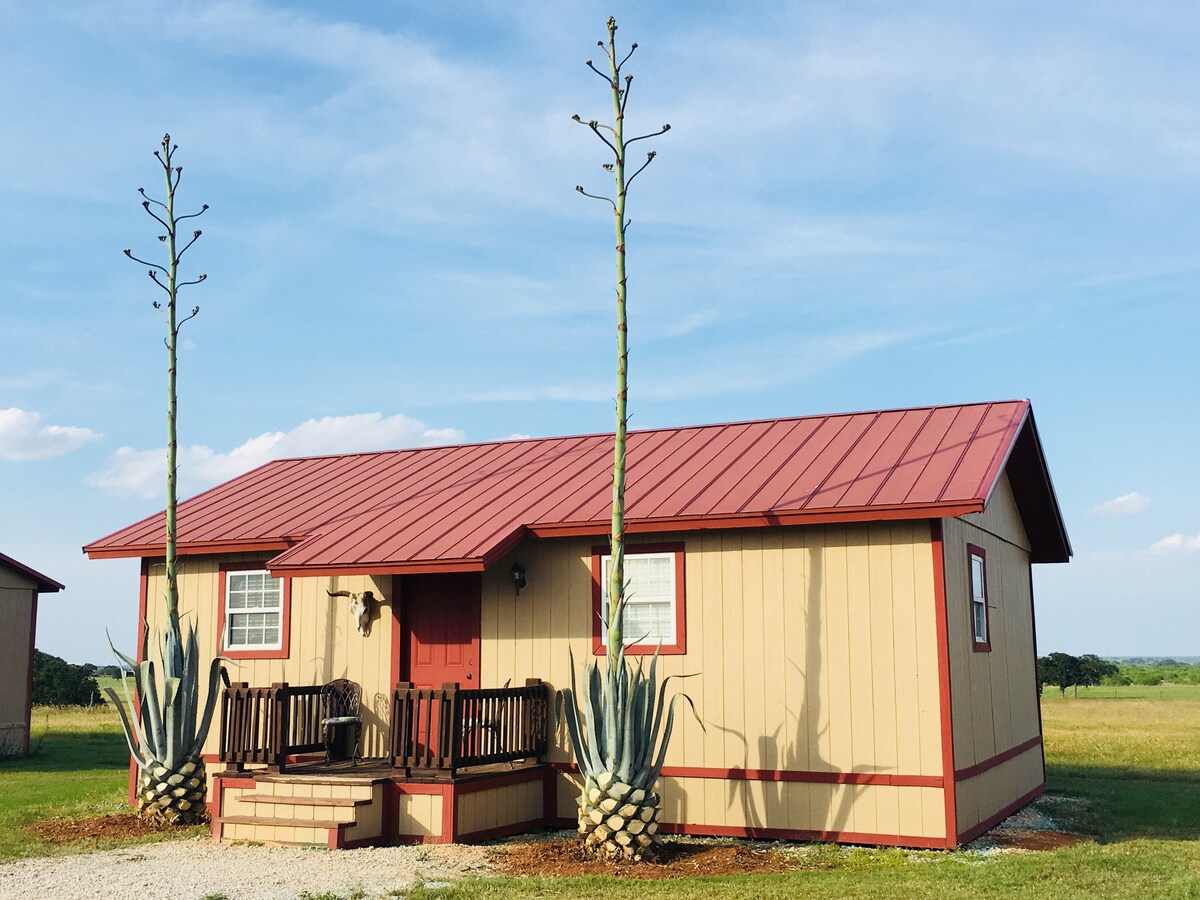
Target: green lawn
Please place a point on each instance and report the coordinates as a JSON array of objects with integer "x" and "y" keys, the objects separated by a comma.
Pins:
[
  {"x": 1131, "y": 759},
  {"x": 79, "y": 768}
]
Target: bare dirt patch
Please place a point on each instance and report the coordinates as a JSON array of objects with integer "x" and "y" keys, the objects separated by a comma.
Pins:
[
  {"x": 113, "y": 826},
  {"x": 562, "y": 858}
]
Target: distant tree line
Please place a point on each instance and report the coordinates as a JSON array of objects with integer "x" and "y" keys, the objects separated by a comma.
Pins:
[
  {"x": 57, "y": 682},
  {"x": 1065, "y": 671}
]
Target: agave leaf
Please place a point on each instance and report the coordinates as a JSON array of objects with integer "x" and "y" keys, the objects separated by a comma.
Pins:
[
  {"x": 127, "y": 729},
  {"x": 216, "y": 676},
  {"x": 152, "y": 719},
  {"x": 666, "y": 739},
  {"x": 130, "y": 664},
  {"x": 172, "y": 721}
]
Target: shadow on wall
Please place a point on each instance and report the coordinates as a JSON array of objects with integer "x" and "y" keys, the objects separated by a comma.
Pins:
[{"x": 829, "y": 805}]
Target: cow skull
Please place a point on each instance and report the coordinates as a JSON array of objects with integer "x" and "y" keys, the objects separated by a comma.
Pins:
[{"x": 360, "y": 608}]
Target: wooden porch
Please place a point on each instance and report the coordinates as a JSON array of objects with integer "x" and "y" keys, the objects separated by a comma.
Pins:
[{"x": 461, "y": 765}]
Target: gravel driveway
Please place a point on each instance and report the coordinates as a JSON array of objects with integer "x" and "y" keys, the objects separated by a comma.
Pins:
[{"x": 198, "y": 868}]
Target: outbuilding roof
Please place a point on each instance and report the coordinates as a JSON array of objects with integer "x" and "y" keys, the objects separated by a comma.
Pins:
[
  {"x": 45, "y": 584},
  {"x": 459, "y": 508}
]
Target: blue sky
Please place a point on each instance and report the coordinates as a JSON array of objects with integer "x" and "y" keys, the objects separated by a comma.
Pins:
[{"x": 856, "y": 208}]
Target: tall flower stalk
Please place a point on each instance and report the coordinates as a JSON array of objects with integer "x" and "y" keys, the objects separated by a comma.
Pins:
[
  {"x": 166, "y": 730},
  {"x": 621, "y": 724}
]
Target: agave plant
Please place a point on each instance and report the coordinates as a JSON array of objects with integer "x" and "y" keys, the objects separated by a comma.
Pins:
[
  {"x": 620, "y": 729},
  {"x": 164, "y": 735}
]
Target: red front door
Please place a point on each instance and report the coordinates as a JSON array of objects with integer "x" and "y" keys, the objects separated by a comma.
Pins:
[{"x": 442, "y": 615}]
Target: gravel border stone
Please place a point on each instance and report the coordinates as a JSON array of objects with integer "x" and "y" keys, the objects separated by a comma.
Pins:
[{"x": 199, "y": 868}]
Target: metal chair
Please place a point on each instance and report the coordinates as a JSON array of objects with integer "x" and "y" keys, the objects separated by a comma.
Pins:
[{"x": 340, "y": 704}]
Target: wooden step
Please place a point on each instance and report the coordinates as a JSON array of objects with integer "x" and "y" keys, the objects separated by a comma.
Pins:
[
  {"x": 281, "y": 823},
  {"x": 301, "y": 801}
]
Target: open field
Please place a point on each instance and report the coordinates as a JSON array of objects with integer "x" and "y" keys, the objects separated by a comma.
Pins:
[{"x": 1132, "y": 761}]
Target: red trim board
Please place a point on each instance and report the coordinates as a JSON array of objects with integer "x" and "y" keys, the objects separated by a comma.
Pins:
[
  {"x": 784, "y": 775},
  {"x": 789, "y": 834},
  {"x": 143, "y": 589},
  {"x": 1004, "y": 756},
  {"x": 941, "y": 621}
]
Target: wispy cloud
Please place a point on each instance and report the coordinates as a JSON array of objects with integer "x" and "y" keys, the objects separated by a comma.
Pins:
[
  {"x": 1177, "y": 543},
  {"x": 143, "y": 472},
  {"x": 1119, "y": 507},
  {"x": 23, "y": 436}
]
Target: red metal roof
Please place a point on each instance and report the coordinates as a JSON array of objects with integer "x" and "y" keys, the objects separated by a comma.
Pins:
[{"x": 461, "y": 507}]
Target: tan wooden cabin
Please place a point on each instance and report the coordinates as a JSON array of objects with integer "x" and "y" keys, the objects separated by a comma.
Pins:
[
  {"x": 855, "y": 592},
  {"x": 19, "y": 589}
]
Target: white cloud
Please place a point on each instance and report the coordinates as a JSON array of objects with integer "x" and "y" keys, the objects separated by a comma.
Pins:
[
  {"x": 143, "y": 472},
  {"x": 23, "y": 436},
  {"x": 1119, "y": 507},
  {"x": 1177, "y": 543}
]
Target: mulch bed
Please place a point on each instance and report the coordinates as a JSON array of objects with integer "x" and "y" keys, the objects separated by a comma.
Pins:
[
  {"x": 115, "y": 825},
  {"x": 1034, "y": 839},
  {"x": 563, "y": 858}
]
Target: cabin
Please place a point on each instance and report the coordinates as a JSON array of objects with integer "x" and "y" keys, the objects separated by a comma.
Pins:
[
  {"x": 19, "y": 589},
  {"x": 853, "y": 592}
]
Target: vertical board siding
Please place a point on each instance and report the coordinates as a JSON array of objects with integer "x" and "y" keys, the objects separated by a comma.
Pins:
[
  {"x": 16, "y": 614},
  {"x": 324, "y": 643},
  {"x": 994, "y": 694},
  {"x": 813, "y": 648}
]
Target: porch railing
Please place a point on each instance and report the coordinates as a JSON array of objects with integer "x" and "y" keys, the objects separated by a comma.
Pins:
[
  {"x": 450, "y": 728},
  {"x": 267, "y": 725}
]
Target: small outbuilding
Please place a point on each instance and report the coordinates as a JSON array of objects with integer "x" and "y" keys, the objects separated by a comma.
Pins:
[
  {"x": 854, "y": 591},
  {"x": 19, "y": 589}
]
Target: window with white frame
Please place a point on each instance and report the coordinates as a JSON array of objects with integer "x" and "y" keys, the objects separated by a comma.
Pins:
[
  {"x": 650, "y": 589},
  {"x": 979, "y": 608},
  {"x": 253, "y": 611}
]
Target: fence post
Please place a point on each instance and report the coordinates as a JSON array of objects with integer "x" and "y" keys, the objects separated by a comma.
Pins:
[
  {"x": 400, "y": 728},
  {"x": 537, "y": 731},
  {"x": 451, "y": 730},
  {"x": 277, "y": 755}
]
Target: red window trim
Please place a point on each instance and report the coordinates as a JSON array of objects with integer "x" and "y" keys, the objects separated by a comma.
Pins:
[
  {"x": 285, "y": 626},
  {"x": 979, "y": 646},
  {"x": 676, "y": 649}
]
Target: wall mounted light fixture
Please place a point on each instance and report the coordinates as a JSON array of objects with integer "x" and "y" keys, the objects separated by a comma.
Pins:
[{"x": 518, "y": 577}]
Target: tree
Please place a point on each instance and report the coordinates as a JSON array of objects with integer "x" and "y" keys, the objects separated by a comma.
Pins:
[
  {"x": 618, "y": 729},
  {"x": 1093, "y": 670},
  {"x": 166, "y": 732},
  {"x": 1061, "y": 670},
  {"x": 57, "y": 682}
]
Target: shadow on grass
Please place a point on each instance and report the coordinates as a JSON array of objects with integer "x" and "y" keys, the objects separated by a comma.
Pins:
[
  {"x": 71, "y": 751},
  {"x": 1124, "y": 803}
]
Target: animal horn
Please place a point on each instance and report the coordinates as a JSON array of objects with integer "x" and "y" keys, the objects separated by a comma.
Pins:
[{"x": 337, "y": 593}]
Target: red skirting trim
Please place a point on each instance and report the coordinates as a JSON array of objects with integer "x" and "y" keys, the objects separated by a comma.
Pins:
[
  {"x": 880, "y": 778},
  {"x": 991, "y": 821},
  {"x": 1012, "y": 752},
  {"x": 792, "y": 834}
]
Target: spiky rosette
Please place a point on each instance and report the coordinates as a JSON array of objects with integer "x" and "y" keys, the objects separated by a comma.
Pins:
[
  {"x": 620, "y": 728},
  {"x": 173, "y": 795},
  {"x": 618, "y": 820}
]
